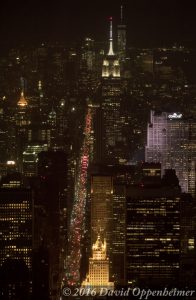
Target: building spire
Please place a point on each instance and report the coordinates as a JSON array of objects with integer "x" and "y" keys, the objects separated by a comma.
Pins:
[{"x": 111, "y": 52}]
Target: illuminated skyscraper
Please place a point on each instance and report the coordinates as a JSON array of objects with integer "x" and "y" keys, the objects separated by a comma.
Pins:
[
  {"x": 101, "y": 208},
  {"x": 101, "y": 211},
  {"x": 30, "y": 158},
  {"x": 89, "y": 53},
  {"x": 111, "y": 117},
  {"x": 98, "y": 276},
  {"x": 171, "y": 140},
  {"x": 119, "y": 225},
  {"x": 3, "y": 133},
  {"x": 111, "y": 66},
  {"x": 22, "y": 122},
  {"x": 108, "y": 213}
]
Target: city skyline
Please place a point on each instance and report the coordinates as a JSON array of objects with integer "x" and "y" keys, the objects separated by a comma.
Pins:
[
  {"x": 97, "y": 149},
  {"x": 150, "y": 23}
]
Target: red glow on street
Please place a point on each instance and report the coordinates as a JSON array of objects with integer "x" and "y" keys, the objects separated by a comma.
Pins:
[{"x": 78, "y": 212}]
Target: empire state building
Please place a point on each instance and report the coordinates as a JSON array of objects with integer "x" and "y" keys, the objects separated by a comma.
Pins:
[
  {"x": 111, "y": 125},
  {"x": 111, "y": 65}
]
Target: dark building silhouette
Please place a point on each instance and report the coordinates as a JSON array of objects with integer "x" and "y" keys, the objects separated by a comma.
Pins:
[
  {"x": 51, "y": 214},
  {"x": 188, "y": 251},
  {"x": 14, "y": 280},
  {"x": 40, "y": 277}
]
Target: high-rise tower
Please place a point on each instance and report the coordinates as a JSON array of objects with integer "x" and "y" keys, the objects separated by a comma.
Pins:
[
  {"x": 101, "y": 208},
  {"x": 111, "y": 66},
  {"x": 98, "y": 276},
  {"x": 121, "y": 33},
  {"x": 170, "y": 140},
  {"x": 16, "y": 224},
  {"x": 153, "y": 232},
  {"x": 22, "y": 122},
  {"x": 110, "y": 112}
]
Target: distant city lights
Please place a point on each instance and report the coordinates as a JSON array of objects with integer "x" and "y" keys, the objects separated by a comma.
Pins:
[{"x": 11, "y": 162}]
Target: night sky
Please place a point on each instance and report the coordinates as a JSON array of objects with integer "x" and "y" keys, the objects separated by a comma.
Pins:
[{"x": 150, "y": 22}]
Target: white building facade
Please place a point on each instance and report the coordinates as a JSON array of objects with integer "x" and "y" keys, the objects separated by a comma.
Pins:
[{"x": 171, "y": 140}]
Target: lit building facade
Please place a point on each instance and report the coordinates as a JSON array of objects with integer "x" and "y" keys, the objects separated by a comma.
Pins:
[
  {"x": 108, "y": 213},
  {"x": 153, "y": 235},
  {"x": 111, "y": 65},
  {"x": 30, "y": 158},
  {"x": 22, "y": 121},
  {"x": 98, "y": 276},
  {"x": 16, "y": 215},
  {"x": 171, "y": 140},
  {"x": 119, "y": 233},
  {"x": 101, "y": 208},
  {"x": 111, "y": 116},
  {"x": 3, "y": 133},
  {"x": 89, "y": 53}
]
